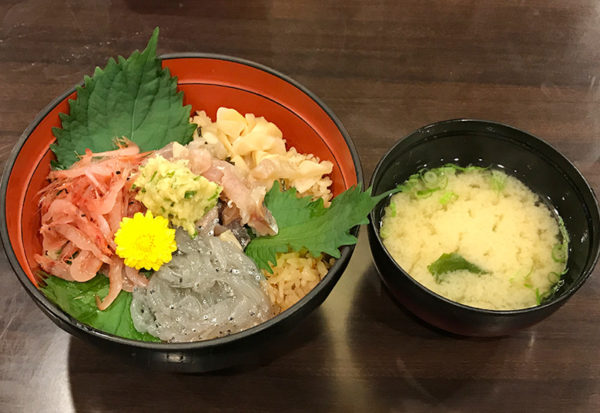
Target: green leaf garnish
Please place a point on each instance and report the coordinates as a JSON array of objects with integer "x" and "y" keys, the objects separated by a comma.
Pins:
[
  {"x": 79, "y": 301},
  {"x": 449, "y": 263},
  {"x": 307, "y": 225},
  {"x": 134, "y": 98}
]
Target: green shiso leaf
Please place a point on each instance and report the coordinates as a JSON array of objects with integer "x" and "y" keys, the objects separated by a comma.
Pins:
[
  {"x": 307, "y": 225},
  {"x": 134, "y": 98},
  {"x": 449, "y": 263},
  {"x": 79, "y": 301}
]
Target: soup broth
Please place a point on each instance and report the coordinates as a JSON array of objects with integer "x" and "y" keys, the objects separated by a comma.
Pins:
[{"x": 476, "y": 236}]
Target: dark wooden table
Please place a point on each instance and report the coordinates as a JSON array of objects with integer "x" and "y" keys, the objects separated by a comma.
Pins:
[{"x": 385, "y": 68}]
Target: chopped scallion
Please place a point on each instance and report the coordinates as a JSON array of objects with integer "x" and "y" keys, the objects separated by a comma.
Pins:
[
  {"x": 189, "y": 194},
  {"x": 393, "y": 209},
  {"x": 497, "y": 180},
  {"x": 559, "y": 252},
  {"x": 448, "y": 197}
]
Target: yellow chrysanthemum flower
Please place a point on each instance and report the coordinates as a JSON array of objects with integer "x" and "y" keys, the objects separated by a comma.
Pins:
[{"x": 145, "y": 241}]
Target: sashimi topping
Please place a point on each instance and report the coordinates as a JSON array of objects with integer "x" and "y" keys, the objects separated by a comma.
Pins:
[
  {"x": 81, "y": 210},
  {"x": 240, "y": 194}
]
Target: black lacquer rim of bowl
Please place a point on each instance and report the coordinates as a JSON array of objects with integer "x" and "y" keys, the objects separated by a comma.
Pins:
[
  {"x": 330, "y": 277},
  {"x": 466, "y": 122}
]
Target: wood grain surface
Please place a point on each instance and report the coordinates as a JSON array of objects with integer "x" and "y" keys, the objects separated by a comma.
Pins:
[{"x": 385, "y": 68}]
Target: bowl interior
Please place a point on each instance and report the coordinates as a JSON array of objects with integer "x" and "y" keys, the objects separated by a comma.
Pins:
[
  {"x": 543, "y": 169},
  {"x": 208, "y": 82}
]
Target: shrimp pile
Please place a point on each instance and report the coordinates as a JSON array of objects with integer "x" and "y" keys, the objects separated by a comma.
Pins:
[{"x": 81, "y": 210}]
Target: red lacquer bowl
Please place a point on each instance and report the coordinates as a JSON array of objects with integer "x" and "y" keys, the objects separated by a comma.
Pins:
[{"x": 208, "y": 82}]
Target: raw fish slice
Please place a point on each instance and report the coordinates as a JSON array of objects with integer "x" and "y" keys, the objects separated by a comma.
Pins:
[
  {"x": 249, "y": 202},
  {"x": 235, "y": 188}
]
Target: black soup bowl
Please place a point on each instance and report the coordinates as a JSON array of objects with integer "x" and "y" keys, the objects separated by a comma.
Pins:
[{"x": 541, "y": 167}]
